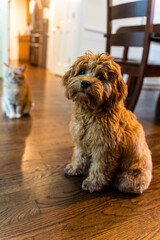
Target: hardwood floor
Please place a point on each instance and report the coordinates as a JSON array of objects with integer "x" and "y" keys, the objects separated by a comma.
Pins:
[{"x": 37, "y": 201}]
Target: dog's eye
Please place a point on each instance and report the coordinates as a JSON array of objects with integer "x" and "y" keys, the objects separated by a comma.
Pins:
[
  {"x": 82, "y": 72},
  {"x": 100, "y": 77}
]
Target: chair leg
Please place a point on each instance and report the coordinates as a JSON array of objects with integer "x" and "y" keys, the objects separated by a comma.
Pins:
[
  {"x": 134, "y": 89},
  {"x": 157, "y": 112},
  {"x": 131, "y": 83}
]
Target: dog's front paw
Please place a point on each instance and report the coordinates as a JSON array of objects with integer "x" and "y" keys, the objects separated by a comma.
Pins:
[
  {"x": 71, "y": 170},
  {"x": 91, "y": 186}
]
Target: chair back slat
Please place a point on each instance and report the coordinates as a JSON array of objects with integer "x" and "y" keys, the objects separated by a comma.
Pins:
[
  {"x": 128, "y": 10},
  {"x": 132, "y": 39},
  {"x": 130, "y": 36}
]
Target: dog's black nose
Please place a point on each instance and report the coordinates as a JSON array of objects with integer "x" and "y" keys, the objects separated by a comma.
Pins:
[{"x": 85, "y": 84}]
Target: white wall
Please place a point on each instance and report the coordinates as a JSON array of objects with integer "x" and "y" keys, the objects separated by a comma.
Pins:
[
  {"x": 49, "y": 35},
  {"x": 64, "y": 37},
  {"x": 18, "y": 24},
  {"x": 3, "y": 35},
  {"x": 94, "y": 26}
]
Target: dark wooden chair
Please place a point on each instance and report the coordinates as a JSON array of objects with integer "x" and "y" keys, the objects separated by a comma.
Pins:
[{"x": 134, "y": 36}]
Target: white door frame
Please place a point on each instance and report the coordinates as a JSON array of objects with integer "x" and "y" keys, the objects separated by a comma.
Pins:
[{"x": 4, "y": 35}]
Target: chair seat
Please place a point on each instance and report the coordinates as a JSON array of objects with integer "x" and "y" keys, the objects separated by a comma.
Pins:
[
  {"x": 128, "y": 61},
  {"x": 154, "y": 37},
  {"x": 132, "y": 67}
]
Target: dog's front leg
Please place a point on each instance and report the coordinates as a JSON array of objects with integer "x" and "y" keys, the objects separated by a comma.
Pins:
[
  {"x": 96, "y": 178},
  {"x": 78, "y": 164},
  {"x": 101, "y": 171}
]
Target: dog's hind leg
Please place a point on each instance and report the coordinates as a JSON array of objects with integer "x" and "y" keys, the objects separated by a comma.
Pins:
[
  {"x": 135, "y": 170},
  {"x": 134, "y": 180}
]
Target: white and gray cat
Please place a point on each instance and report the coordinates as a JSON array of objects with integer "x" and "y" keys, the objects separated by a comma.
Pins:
[{"x": 16, "y": 98}]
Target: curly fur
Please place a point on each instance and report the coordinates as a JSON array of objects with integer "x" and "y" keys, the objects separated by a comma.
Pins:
[{"x": 109, "y": 140}]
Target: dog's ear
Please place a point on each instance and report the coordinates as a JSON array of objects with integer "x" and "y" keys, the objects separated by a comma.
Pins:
[
  {"x": 66, "y": 76},
  {"x": 119, "y": 87}
]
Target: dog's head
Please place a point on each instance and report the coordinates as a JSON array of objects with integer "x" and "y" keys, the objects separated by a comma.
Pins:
[{"x": 94, "y": 80}]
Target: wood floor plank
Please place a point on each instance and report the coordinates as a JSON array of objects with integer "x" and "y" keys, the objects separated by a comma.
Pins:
[
  {"x": 38, "y": 202},
  {"x": 76, "y": 223},
  {"x": 15, "y": 213}
]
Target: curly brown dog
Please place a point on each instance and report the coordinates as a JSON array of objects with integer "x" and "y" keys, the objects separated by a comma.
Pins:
[{"x": 109, "y": 140}]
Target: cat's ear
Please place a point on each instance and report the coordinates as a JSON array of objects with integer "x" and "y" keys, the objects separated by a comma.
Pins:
[
  {"x": 23, "y": 67},
  {"x": 6, "y": 64}
]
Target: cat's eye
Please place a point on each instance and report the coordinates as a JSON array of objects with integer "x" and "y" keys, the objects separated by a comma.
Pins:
[
  {"x": 18, "y": 75},
  {"x": 82, "y": 72},
  {"x": 100, "y": 77}
]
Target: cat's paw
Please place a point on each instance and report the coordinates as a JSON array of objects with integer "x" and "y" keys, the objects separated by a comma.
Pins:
[
  {"x": 18, "y": 115},
  {"x": 11, "y": 115}
]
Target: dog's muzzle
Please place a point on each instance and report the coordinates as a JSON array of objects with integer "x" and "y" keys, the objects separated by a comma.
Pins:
[{"x": 85, "y": 84}]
